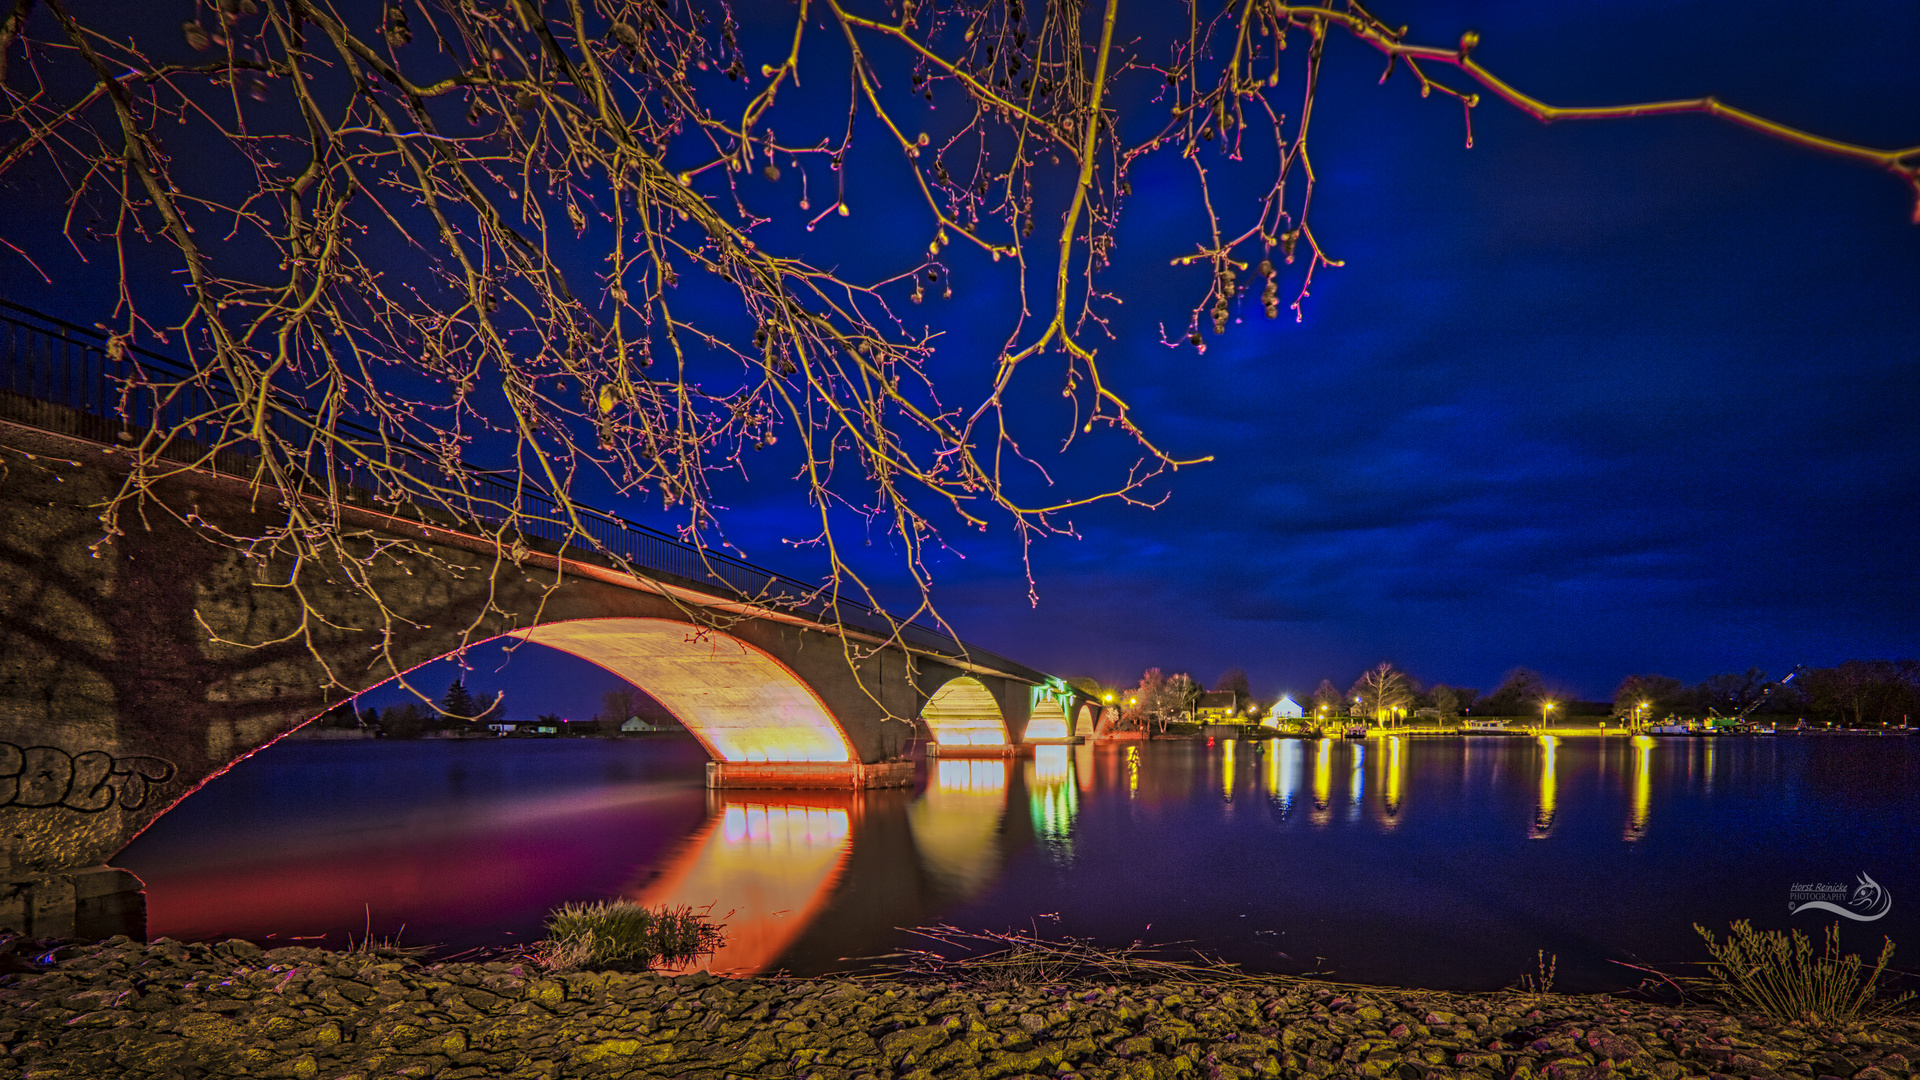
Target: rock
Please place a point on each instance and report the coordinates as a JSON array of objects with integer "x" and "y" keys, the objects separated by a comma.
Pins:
[{"x": 305, "y": 1014}]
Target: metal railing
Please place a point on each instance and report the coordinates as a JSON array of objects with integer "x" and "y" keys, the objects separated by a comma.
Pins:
[{"x": 65, "y": 378}]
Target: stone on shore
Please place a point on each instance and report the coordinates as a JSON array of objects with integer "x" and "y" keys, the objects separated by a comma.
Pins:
[{"x": 171, "y": 1010}]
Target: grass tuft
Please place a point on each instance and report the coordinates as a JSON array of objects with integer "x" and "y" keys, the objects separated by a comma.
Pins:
[
  {"x": 1779, "y": 975},
  {"x": 624, "y": 935}
]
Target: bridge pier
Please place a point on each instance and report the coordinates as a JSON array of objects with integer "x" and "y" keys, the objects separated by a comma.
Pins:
[
  {"x": 968, "y": 750},
  {"x": 809, "y": 774},
  {"x": 90, "y": 902}
]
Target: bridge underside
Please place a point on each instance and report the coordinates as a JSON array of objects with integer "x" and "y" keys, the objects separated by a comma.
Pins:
[
  {"x": 740, "y": 702},
  {"x": 965, "y": 720}
]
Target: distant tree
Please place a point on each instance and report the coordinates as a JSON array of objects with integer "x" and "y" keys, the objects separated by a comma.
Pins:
[
  {"x": 1235, "y": 679},
  {"x": 1468, "y": 696},
  {"x": 1135, "y": 702},
  {"x": 1445, "y": 700},
  {"x": 1088, "y": 686},
  {"x": 457, "y": 704},
  {"x": 1859, "y": 693},
  {"x": 495, "y": 710},
  {"x": 617, "y": 706},
  {"x": 550, "y": 720},
  {"x": 406, "y": 721},
  {"x": 370, "y": 719},
  {"x": 1662, "y": 694},
  {"x": 1187, "y": 691},
  {"x": 1519, "y": 694},
  {"x": 1162, "y": 699},
  {"x": 341, "y": 716},
  {"x": 1728, "y": 694},
  {"x": 1327, "y": 699},
  {"x": 1380, "y": 690}
]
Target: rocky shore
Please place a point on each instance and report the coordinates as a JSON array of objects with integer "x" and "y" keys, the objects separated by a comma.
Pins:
[{"x": 166, "y": 1009}]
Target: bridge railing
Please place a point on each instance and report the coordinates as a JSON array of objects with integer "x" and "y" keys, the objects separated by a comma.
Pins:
[{"x": 62, "y": 377}]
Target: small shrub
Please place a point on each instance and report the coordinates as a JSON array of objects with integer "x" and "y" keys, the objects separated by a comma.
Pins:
[
  {"x": 1778, "y": 975},
  {"x": 620, "y": 934}
]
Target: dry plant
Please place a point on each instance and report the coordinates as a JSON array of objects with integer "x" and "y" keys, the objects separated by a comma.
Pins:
[
  {"x": 390, "y": 236},
  {"x": 1005, "y": 960},
  {"x": 1779, "y": 975},
  {"x": 1541, "y": 980}
]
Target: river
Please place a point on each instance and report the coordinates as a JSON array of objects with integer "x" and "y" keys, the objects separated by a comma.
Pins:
[{"x": 1444, "y": 863}]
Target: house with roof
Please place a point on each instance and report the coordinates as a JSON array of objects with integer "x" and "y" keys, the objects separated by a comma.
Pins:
[{"x": 1219, "y": 707}]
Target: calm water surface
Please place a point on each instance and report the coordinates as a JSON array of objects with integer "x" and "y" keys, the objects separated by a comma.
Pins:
[{"x": 1434, "y": 862}]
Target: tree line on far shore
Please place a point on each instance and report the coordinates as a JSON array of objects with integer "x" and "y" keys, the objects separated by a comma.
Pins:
[
  {"x": 458, "y": 712},
  {"x": 1856, "y": 693}
]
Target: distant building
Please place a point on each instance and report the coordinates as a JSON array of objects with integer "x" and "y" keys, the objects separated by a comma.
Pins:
[
  {"x": 637, "y": 726},
  {"x": 1219, "y": 707},
  {"x": 1287, "y": 708}
]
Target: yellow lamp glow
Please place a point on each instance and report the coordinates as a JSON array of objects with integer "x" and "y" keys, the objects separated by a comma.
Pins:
[{"x": 964, "y": 713}]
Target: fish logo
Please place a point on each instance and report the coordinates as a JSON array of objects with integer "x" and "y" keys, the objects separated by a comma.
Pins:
[{"x": 1869, "y": 896}]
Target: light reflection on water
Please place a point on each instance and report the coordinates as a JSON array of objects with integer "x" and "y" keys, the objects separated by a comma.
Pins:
[
  {"x": 764, "y": 864},
  {"x": 1428, "y": 862}
]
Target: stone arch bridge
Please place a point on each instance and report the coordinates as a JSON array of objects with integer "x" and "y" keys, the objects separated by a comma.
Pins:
[{"x": 121, "y": 691}]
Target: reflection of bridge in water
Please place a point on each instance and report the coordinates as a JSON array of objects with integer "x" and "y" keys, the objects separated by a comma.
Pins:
[
  {"x": 140, "y": 667},
  {"x": 802, "y": 878},
  {"x": 782, "y": 870}
]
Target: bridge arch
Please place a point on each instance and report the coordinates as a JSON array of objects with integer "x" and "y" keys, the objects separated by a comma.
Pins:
[
  {"x": 1049, "y": 723},
  {"x": 963, "y": 712},
  {"x": 742, "y": 703}
]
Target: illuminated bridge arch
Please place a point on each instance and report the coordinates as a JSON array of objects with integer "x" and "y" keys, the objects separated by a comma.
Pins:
[
  {"x": 1048, "y": 723},
  {"x": 963, "y": 712},
  {"x": 738, "y": 700}
]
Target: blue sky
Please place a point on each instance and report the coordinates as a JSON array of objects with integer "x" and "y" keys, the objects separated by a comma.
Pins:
[
  {"x": 1629, "y": 396},
  {"x": 1594, "y": 399}
]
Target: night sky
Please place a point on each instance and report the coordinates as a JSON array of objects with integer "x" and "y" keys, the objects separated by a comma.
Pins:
[
  {"x": 1633, "y": 396},
  {"x": 1595, "y": 399}
]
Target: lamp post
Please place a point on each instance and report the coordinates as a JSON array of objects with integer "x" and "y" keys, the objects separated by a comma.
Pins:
[{"x": 1546, "y": 707}]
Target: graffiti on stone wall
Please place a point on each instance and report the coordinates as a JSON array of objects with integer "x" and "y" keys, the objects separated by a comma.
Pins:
[{"x": 41, "y": 777}]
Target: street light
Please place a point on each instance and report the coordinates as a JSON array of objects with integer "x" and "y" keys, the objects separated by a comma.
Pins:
[{"x": 1545, "y": 708}]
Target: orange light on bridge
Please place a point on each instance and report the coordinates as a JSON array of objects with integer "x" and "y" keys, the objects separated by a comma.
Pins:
[{"x": 739, "y": 701}]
